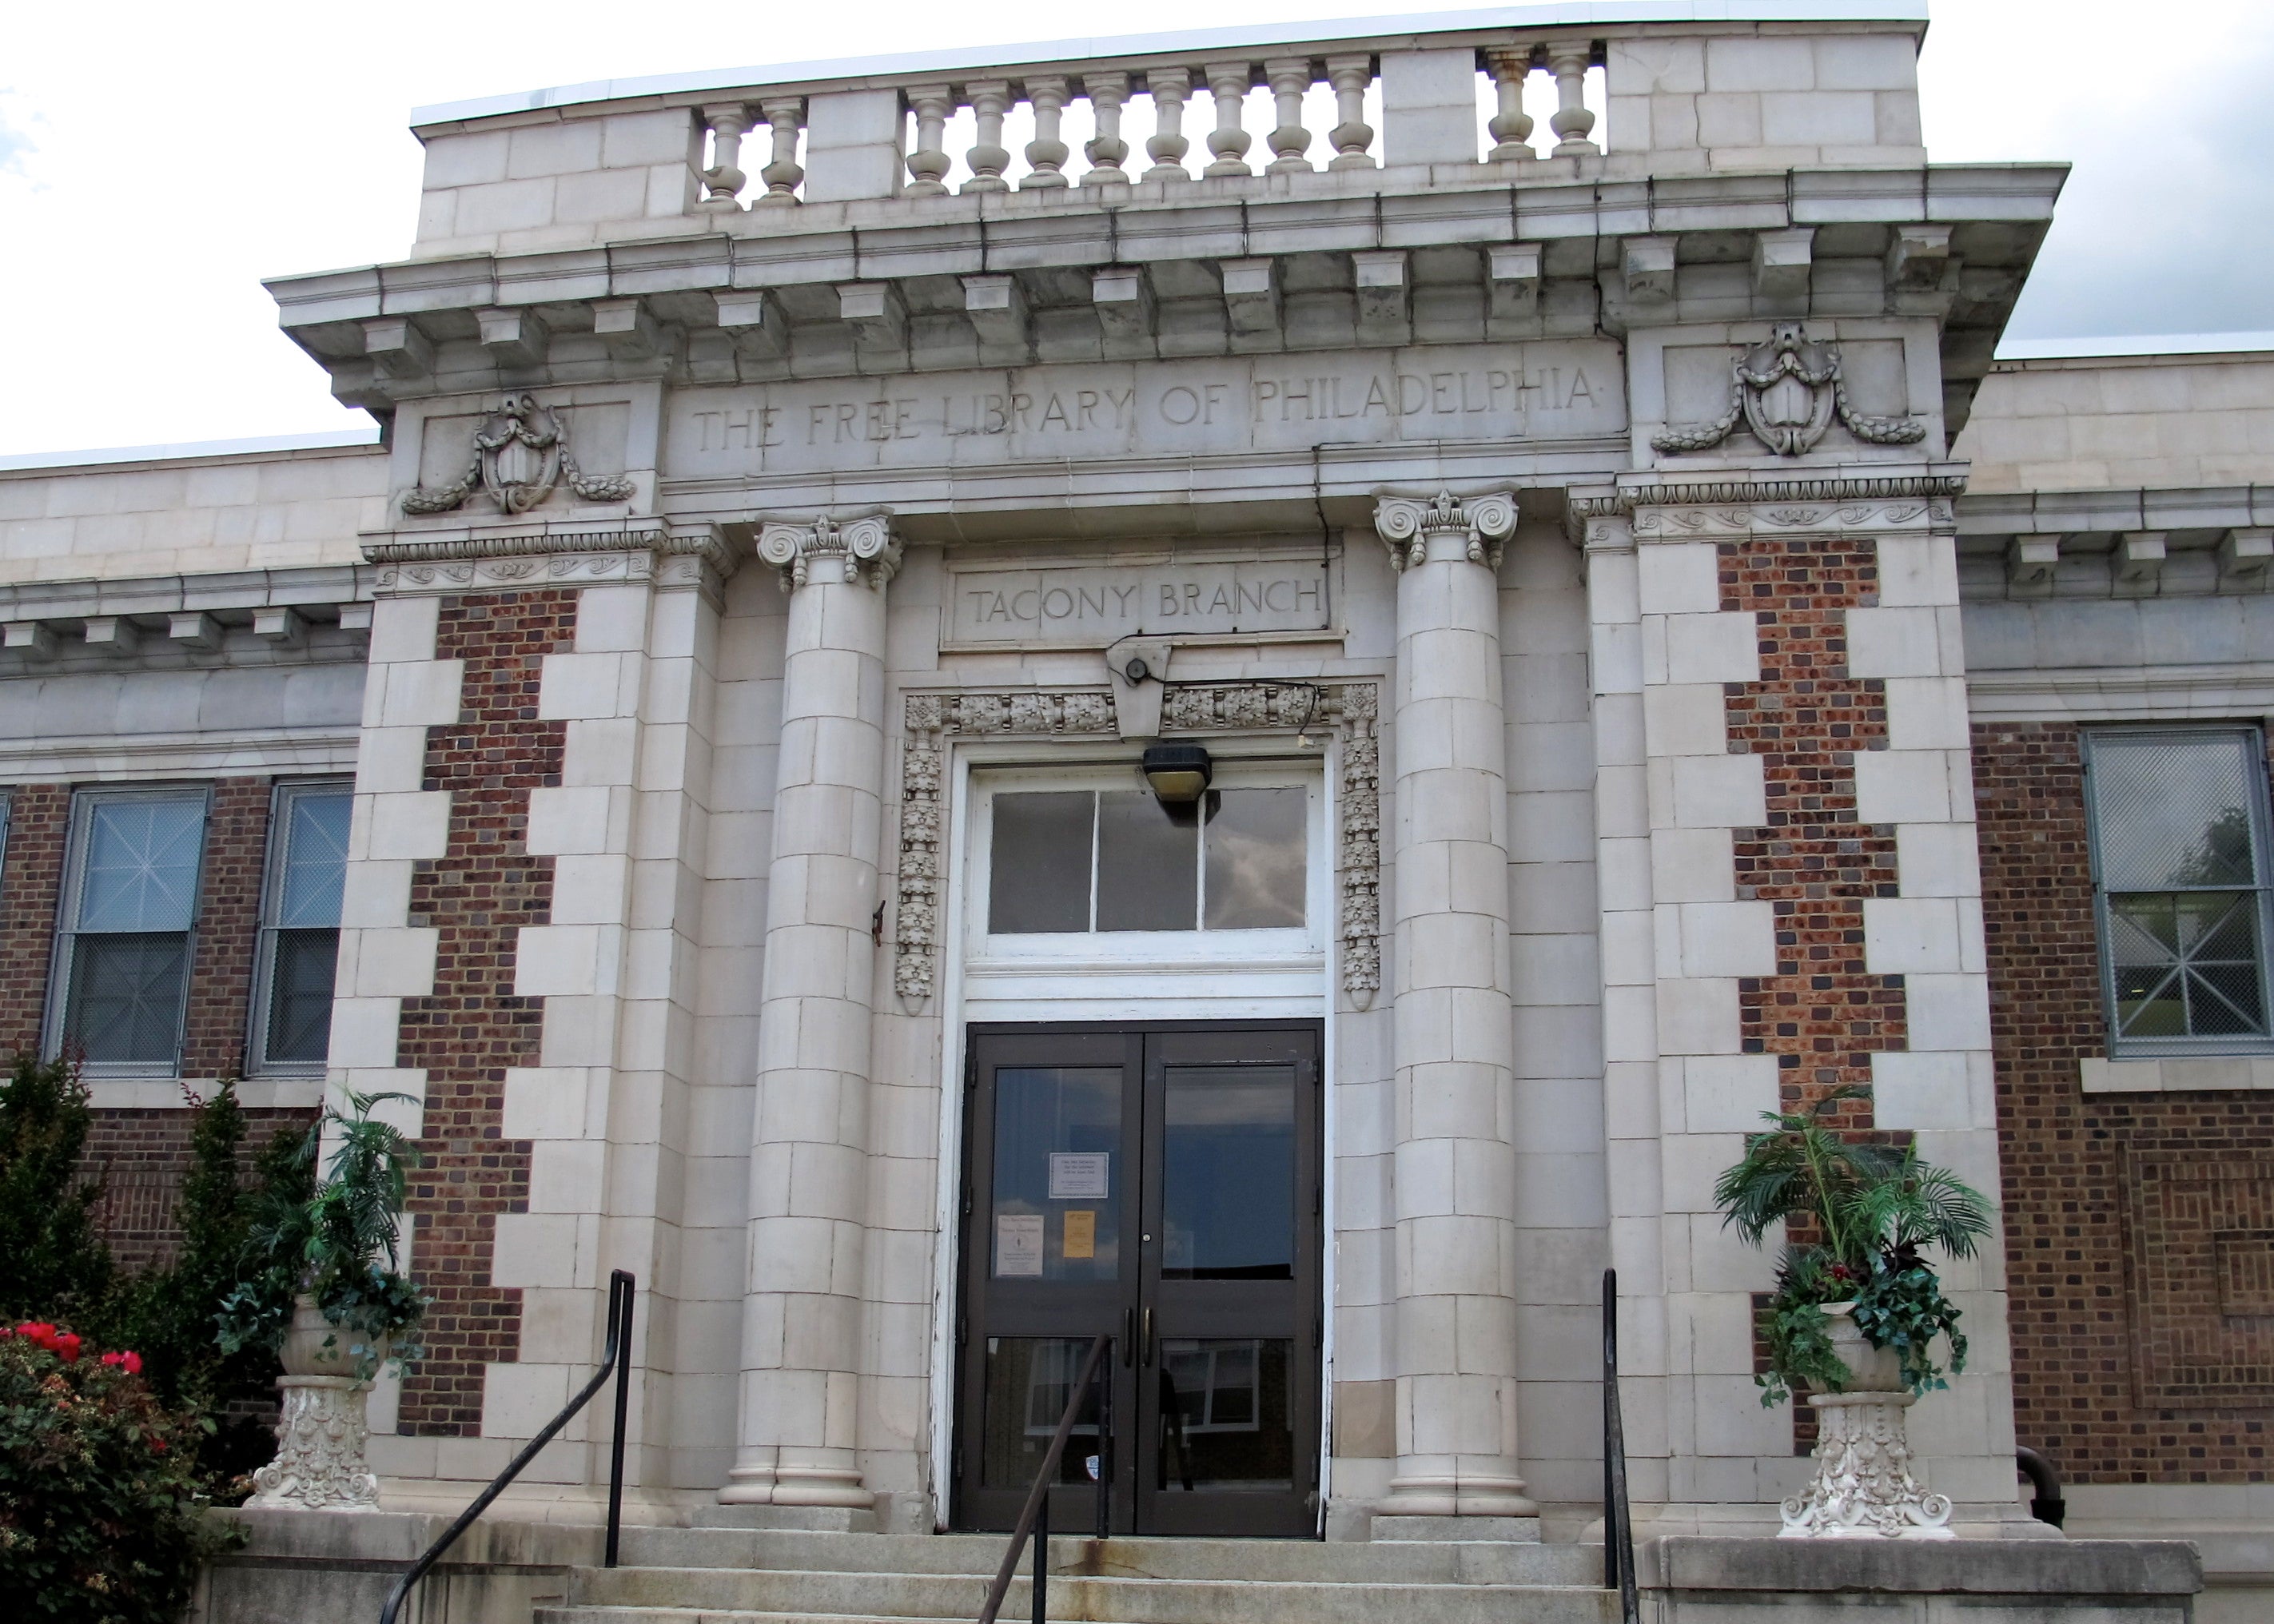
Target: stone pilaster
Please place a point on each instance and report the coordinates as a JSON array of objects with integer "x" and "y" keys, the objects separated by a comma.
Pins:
[
  {"x": 1452, "y": 1045},
  {"x": 809, "y": 1162}
]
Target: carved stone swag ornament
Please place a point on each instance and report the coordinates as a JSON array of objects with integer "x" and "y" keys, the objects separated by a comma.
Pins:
[
  {"x": 520, "y": 454},
  {"x": 1788, "y": 389},
  {"x": 1864, "y": 1488}
]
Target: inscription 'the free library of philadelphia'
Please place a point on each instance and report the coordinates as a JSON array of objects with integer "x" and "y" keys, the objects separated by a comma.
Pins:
[{"x": 1215, "y": 406}]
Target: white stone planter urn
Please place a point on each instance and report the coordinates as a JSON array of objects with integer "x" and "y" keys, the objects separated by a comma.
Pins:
[
  {"x": 1864, "y": 1488},
  {"x": 321, "y": 1438}
]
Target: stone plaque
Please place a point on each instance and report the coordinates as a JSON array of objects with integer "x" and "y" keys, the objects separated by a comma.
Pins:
[
  {"x": 1089, "y": 605},
  {"x": 1107, "y": 411}
]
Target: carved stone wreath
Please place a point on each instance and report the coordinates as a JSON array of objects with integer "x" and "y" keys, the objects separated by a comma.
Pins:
[
  {"x": 520, "y": 453},
  {"x": 1788, "y": 389},
  {"x": 1349, "y": 707}
]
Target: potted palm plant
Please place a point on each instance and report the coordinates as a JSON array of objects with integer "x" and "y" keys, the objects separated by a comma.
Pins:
[
  {"x": 327, "y": 1294},
  {"x": 1858, "y": 1309}
]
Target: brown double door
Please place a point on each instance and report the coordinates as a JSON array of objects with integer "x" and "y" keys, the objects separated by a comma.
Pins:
[{"x": 1158, "y": 1184}]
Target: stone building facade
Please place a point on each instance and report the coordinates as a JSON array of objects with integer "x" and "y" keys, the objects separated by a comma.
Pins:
[{"x": 1647, "y": 651}]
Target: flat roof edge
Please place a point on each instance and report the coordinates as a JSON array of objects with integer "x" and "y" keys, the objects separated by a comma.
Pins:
[
  {"x": 328, "y": 440},
  {"x": 2135, "y": 346},
  {"x": 998, "y": 57}
]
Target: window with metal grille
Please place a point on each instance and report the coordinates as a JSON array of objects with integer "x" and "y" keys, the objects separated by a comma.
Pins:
[
  {"x": 300, "y": 928},
  {"x": 130, "y": 907},
  {"x": 2180, "y": 878}
]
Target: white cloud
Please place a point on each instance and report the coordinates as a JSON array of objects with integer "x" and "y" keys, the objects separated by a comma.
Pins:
[{"x": 200, "y": 149}]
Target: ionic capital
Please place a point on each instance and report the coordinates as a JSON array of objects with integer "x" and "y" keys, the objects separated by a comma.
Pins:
[
  {"x": 862, "y": 549},
  {"x": 1481, "y": 524}
]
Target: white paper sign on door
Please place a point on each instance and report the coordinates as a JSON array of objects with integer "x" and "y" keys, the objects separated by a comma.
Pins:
[
  {"x": 1079, "y": 1175},
  {"x": 1018, "y": 1245}
]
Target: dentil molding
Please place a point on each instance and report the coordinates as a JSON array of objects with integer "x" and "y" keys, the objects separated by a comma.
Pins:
[{"x": 1350, "y": 707}]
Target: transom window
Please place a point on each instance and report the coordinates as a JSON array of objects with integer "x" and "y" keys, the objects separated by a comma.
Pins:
[
  {"x": 130, "y": 905},
  {"x": 300, "y": 927},
  {"x": 1083, "y": 860},
  {"x": 2180, "y": 878}
]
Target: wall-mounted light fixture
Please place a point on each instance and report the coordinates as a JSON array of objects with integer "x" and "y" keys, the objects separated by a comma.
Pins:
[{"x": 1178, "y": 773}]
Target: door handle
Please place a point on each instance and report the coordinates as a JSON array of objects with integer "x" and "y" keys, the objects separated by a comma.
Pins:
[
  {"x": 1149, "y": 1338},
  {"x": 1128, "y": 1337}
]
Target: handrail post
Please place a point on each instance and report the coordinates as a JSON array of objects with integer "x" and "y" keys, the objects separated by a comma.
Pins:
[
  {"x": 615, "y": 1359},
  {"x": 1618, "y": 1523},
  {"x": 1042, "y": 1561},
  {"x": 1105, "y": 1445},
  {"x": 619, "y": 1319}
]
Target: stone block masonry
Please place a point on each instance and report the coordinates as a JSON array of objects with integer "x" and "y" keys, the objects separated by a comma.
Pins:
[
  {"x": 473, "y": 1026},
  {"x": 2129, "y": 1363}
]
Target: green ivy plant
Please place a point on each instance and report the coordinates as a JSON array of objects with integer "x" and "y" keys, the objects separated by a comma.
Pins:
[
  {"x": 1876, "y": 1206},
  {"x": 341, "y": 1246}
]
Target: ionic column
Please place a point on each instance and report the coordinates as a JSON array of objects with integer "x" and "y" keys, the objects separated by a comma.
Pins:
[
  {"x": 1452, "y": 1047},
  {"x": 801, "y": 1314}
]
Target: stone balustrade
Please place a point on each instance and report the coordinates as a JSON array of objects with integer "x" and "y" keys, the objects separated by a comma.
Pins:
[
  {"x": 1226, "y": 113},
  {"x": 1199, "y": 122}
]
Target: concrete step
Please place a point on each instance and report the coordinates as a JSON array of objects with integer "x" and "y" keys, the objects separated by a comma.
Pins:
[
  {"x": 694, "y": 1596},
  {"x": 1446, "y": 1562}
]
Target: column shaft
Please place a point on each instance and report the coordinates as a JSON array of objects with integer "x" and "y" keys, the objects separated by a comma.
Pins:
[
  {"x": 1455, "y": 1164},
  {"x": 802, "y": 1322}
]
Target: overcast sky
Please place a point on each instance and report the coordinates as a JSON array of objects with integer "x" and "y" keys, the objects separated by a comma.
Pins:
[{"x": 156, "y": 160}]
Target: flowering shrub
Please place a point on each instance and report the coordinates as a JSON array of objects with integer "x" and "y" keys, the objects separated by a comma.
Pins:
[{"x": 98, "y": 1506}]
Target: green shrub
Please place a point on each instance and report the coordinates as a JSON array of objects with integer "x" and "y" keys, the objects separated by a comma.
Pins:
[
  {"x": 100, "y": 1516},
  {"x": 53, "y": 1265}
]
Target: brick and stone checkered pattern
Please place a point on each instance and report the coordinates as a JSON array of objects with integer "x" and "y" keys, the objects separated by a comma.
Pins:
[
  {"x": 473, "y": 1026},
  {"x": 2071, "y": 1162},
  {"x": 1822, "y": 1014}
]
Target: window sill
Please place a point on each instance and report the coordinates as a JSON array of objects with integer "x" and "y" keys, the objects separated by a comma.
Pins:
[
  {"x": 155, "y": 1094},
  {"x": 2178, "y": 1074}
]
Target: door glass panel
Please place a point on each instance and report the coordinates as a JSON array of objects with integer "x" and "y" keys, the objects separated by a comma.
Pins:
[
  {"x": 1256, "y": 858},
  {"x": 1228, "y": 1173},
  {"x": 1027, "y": 1380},
  {"x": 1226, "y": 1421},
  {"x": 1147, "y": 862},
  {"x": 1058, "y": 1173},
  {"x": 1038, "y": 867}
]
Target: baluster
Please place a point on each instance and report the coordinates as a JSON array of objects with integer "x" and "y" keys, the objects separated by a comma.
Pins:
[
  {"x": 729, "y": 122},
  {"x": 1351, "y": 134},
  {"x": 1228, "y": 83},
  {"x": 1167, "y": 145},
  {"x": 1106, "y": 149},
  {"x": 785, "y": 113},
  {"x": 989, "y": 158},
  {"x": 1512, "y": 126},
  {"x": 1288, "y": 77},
  {"x": 1568, "y": 64},
  {"x": 1046, "y": 154},
  {"x": 928, "y": 163}
]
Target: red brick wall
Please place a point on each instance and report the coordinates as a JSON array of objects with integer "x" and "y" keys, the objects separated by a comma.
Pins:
[
  {"x": 31, "y": 885},
  {"x": 229, "y": 927},
  {"x": 2126, "y": 1368},
  {"x": 1822, "y": 1014},
  {"x": 141, "y": 1157},
  {"x": 473, "y": 1026}
]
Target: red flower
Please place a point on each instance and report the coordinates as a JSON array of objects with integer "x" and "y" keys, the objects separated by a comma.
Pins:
[
  {"x": 66, "y": 1347},
  {"x": 157, "y": 1444}
]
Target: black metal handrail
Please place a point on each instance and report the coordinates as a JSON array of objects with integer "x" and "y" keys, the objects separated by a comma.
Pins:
[
  {"x": 1618, "y": 1519},
  {"x": 2045, "y": 1502},
  {"x": 1035, "y": 1515},
  {"x": 616, "y": 1357}
]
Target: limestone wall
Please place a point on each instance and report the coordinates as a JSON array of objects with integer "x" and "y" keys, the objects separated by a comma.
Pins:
[{"x": 2103, "y": 423}]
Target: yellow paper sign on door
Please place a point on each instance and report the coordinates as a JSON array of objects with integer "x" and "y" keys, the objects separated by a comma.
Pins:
[{"x": 1080, "y": 1233}]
